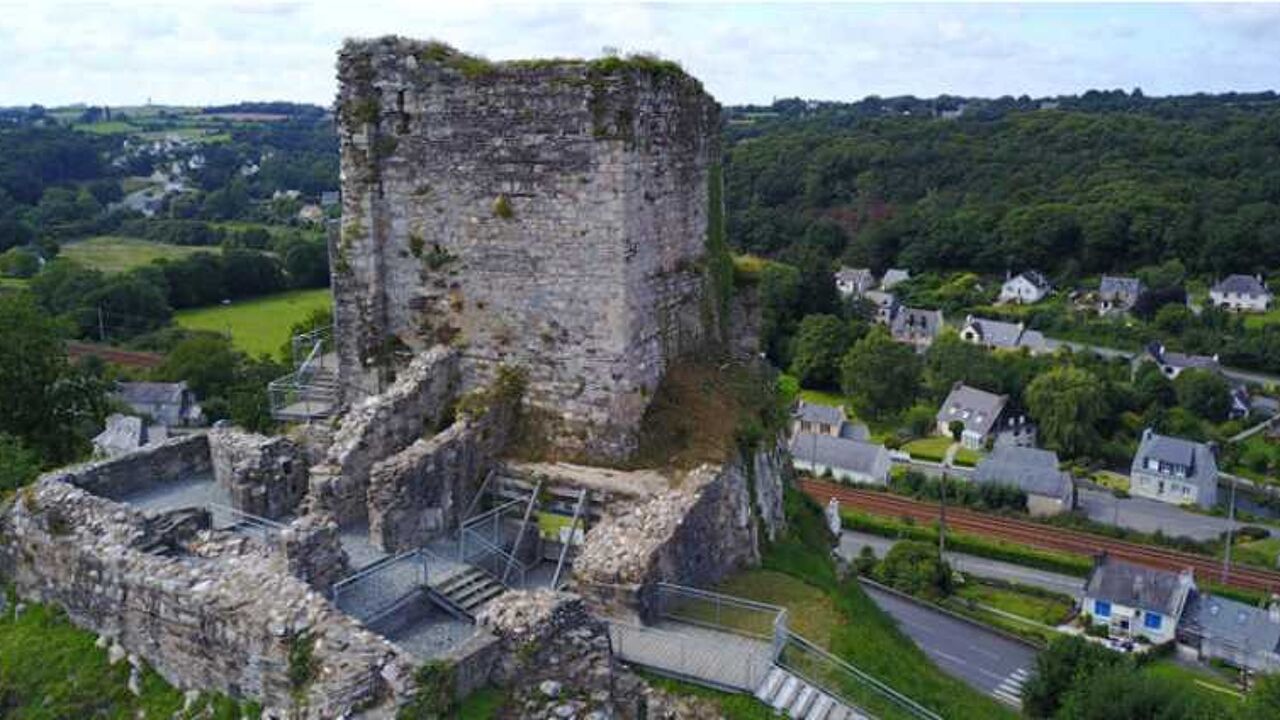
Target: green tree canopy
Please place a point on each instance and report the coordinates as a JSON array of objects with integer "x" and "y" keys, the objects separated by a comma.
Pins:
[
  {"x": 1204, "y": 393},
  {"x": 820, "y": 343},
  {"x": 881, "y": 375},
  {"x": 1068, "y": 402}
]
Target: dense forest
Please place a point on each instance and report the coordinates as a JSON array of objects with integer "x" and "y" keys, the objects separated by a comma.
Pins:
[{"x": 1105, "y": 182}]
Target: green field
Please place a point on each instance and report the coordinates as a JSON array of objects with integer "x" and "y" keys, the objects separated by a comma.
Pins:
[
  {"x": 1254, "y": 321},
  {"x": 260, "y": 325},
  {"x": 933, "y": 449},
  {"x": 112, "y": 254}
]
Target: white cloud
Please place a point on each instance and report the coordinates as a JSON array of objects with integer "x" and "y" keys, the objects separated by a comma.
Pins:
[{"x": 200, "y": 51}]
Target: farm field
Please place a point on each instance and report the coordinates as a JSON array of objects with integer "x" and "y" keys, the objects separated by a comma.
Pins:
[
  {"x": 112, "y": 254},
  {"x": 260, "y": 325}
]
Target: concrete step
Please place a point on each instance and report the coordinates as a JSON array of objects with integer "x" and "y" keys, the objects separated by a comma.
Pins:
[
  {"x": 772, "y": 682},
  {"x": 801, "y": 704},
  {"x": 785, "y": 696},
  {"x": 820, "y": 708}
]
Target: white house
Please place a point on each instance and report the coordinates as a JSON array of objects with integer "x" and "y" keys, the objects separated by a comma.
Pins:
[
  {"x": 892, "y": 277},
  {"x": 986, "y": 418},
  {"x": 1136, "y": 601},
  {"x": 853, "y": 282},
  {"x": 1174, "y": 470},
  {"x": 846, "y": 460},
  {"x": 1025, "y": 288},
  {"x": 169, "y": 404},
  {"x": 1244, "y": 293},
  {"x": 1118, "y": 294},
  {"x": 1001, "y": 335},
  {"x": 886, "y": 305}
]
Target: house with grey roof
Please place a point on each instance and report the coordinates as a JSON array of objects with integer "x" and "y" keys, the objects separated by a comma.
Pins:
[
  {"x": 1035, "y": 472},
  {"x": 853, "y": 282},
  {"x": 1001, "y": 335},
  {"x": 1025, "y": 288},
  {"x": 168, "y": 404},
  {"x": 916, "y": 326},
  {"x": 1136, "y": 601},
  {"x": 1174, "y": 470},
  {"x": 885, "y": 304},
  {"x": 892, "y": 277},
  {"x": 1118, "y": 294},
  {"x": 986, "y": 417},
  {"x": 126, "y": 433},
  {"x": 815, "y": 418},
  {"x": 1240, "y": 635},
  {"x": 1173, "y": 363},
  {"x": 846, "y": 460},
  {"x": 1243, "y": 293}
]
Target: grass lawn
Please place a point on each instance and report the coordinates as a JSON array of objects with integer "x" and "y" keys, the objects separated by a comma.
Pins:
[
  {"x": 7, "y": 283},
  {"x": 822, "y": 397},
  {"x": 1205, "y": 683},
  {"x": 733, "y": 706},
  {"x": 1254, "y": 321},
  {"x": 1045, "y": 608},
  {"x": 117, "y": 254},
  {"x": 1261, "y": 553},
  {"x": 930, "y": 448},
  {"x": 482, "y": 704},
  {"x": 113, "y": 127},
  {"x": 966, "y": 457},
  {"x": 1111, "y": 480},
  {"x": 50, "y": 670},
  {"x": 259, "y": 325}
]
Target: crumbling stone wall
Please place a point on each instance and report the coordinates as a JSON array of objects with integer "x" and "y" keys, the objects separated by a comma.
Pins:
[
  {"x": 695, "y": 534},
  {"x": 381, "y": 426},
  {"x": 551, "y": 215},
  {"x": 264, "y": 476},
  {"x": 312, "y": 550},
  {"x": 222, "y": 614},
  {"x": 177, "y": 458}
]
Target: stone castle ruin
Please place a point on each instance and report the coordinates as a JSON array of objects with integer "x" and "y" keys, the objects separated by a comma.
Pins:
[
  {"x": 550, "y": 215},
  {"x": 527, "y": 248}
]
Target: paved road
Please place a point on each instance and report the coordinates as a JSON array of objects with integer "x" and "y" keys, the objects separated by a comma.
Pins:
[
  {"x": 1147, "y": 515},
  {"x": 851, "y": 543},
  {"x": 988, "y": 662},
  {"x": 1244, "y": 376}
]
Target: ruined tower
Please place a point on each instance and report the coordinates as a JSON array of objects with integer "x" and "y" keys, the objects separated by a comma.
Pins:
[{"x": 559, "y": 216}]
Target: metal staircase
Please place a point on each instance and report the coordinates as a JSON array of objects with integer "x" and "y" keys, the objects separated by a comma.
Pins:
[
  {"x": 463, "y": 595},
  {"x": 789, "y": 694},
  {"x": 311, "y": 390}
]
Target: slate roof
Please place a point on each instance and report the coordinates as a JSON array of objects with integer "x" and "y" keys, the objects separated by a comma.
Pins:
[
  {"x": 853, "y": 275},
  {"x": 855, "y": 431},
  {"x": 1032, "y": 470},
  {"x": 1182, "y": 360},
  {"x": 1135, "y": 586},
  {"x": 813, "y": 412},
  {"x": 1035, "y": 277},
  {"x": 997, "y": 333},
  {"x": 1176, "y": 451},
  {"x": 1120, "y": 287},
  {"x": 917, "y": 321},
  {"x": 124, "y": 433},
  {"x": 881, "y": 298},
  {"x": 977, "y": 409},
  {"x": 893, "y": 276},
  {"x": 852, "y": 455},
  {"x": 1232, "y": 623},
  {"x": 1246, "y": 285},
  {"x": 151, "y": 393}
]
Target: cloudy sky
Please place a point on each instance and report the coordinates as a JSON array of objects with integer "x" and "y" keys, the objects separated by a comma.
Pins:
[{"x": 196, "y": 51}]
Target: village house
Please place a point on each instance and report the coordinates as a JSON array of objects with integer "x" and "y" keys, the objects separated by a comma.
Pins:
[
  {"x": 1243, "y": 293},
  {"x": 1173, "y": 363},
  {"x": 169, "y": 404},
  {"x": 1240, "y": 635},
  {"x": 846, "y": 460},
  {"x": 1174, "y": 470},
  {"x": 885, "y": 304},
  {"x": 916, "y": 326},
  {"x": 1001, "y": 335},
  {"x": 892, "y": 277},
  {"x": 853, "y": 282},
  {"x": 1135, "y": 601},
  {"x": 1025, "y": 288},
  {"x": 817, "y": 419},
  {"x": 1118, "y": 294},
  {"x": 986, "y": 418},
  {"x": 1049, "y": 490}
]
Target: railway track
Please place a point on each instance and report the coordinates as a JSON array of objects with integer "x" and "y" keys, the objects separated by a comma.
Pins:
[{"x": 1042, "y": 536}]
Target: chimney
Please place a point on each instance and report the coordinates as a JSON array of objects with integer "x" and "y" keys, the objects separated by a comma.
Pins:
[
  {"x": 1273, "y": 609},
  {"x": 1146, "y": 434},
  {"x": 1137, "y": 584}
]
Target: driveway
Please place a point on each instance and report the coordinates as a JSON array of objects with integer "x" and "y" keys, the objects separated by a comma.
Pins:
[
  {"x": 984, "y": 660},
  {"x": 851, "y": 543},
  {"x": 1147, "y": 515}
]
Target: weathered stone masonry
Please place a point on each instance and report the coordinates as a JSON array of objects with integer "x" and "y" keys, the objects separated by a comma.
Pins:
[{"x": 550, "y": 215}]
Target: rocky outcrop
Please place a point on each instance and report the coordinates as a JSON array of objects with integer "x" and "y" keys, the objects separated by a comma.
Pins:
[
  {"x": 263, "y": 476},
  {"x": 381, "y": 426}
]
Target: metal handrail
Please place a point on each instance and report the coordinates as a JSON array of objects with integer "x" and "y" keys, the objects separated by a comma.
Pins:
[
  {"x": 760, "y": 615},
  {"x": 494, "y": 550},
  {"x": 484, "y": 516},
  {"x": 902, "y": 701},
  {"x": 369, "y": 570},
  {"x": 564, "y": 549},
  {"x": 524, "y": 527},
  {"x": 475, "y": 499},
  {"x": 249, "y": 518}
]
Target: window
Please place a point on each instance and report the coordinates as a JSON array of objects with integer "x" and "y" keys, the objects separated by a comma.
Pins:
[
  {"x": 1152, "y": 621},
  {"x": 1102, "y": 608}
]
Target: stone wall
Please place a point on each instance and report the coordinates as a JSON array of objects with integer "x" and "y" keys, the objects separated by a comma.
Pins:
[
  {"x": 380, "y": 426},
  {"x": 221, "y": 615},
  {"x": 550, "y": 215},
  {"x": 695, "y": 534},
  {"x": 178, "y": 458},
  {"x": 312, "y": 550},
  {"x": 264, "y": 476}
]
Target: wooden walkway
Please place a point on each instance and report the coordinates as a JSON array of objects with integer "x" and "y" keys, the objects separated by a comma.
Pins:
[{"x": 711, "y": 657}]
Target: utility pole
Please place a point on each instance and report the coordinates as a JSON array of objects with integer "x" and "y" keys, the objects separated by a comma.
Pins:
[
  {"x": 102, "y": 327},
  {"x": 1231, "y": 524}
]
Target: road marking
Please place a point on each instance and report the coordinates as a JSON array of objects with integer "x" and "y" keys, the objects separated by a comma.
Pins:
[{"x": 1010, "y": 689}]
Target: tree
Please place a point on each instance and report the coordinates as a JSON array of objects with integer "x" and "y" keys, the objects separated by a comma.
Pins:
[
  {"x": 1264, "y": 701},
  {"x": 19, "y": 464},
  {"x": 48, "y": 404},
  {"x": 1067, "y": 661},
  {"x": 206, "y": 362},
  {"x": 1068, "y": 403},
  {"x": 1204, "y": 393},
  {"x": 951, "y": 360},
  {"x": 956, "y": 428},
  {"x": 1152, "y": 388},
  {"x": 817, "y": 349},
  {"x": 914, "y": 567},
  {"x": 1125, "y": 693},
  {"x": 880, "y": 375},
  {"x": 19, "y": 262}
]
